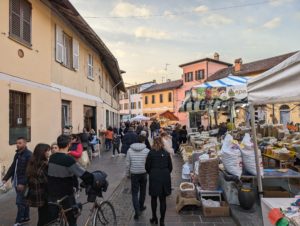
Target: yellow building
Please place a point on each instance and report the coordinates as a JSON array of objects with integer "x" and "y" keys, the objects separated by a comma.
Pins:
[
  {"x": 54, "y": 72},
  {"x": 160, "y": 97}
]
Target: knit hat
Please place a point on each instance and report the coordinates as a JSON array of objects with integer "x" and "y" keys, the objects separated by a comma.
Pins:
[{"x": 144, "y": 133}]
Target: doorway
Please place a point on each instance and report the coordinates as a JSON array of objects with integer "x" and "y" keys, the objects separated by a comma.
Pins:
[
  {"x": 89, "y": 113},
  {"x": 284, "y": 114}
]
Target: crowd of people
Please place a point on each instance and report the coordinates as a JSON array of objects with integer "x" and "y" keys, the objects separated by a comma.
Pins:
[
  {"x": 51, "y": 172},
  {"x": 46, "y": 175}
]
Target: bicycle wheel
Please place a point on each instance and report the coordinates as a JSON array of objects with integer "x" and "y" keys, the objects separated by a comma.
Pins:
[
  {"x": 105, "y": 215},
  {"x": 62, "y": 221}
]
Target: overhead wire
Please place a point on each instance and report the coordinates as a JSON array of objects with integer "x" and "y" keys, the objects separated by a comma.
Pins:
[{"x": 181, "y": 13}]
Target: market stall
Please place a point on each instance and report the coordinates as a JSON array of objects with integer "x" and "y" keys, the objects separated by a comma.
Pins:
[
  {"x": 166, "y": 118},
  {"x": 277, "y": 85}
]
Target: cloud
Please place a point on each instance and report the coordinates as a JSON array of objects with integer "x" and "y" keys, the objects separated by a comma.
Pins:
[
  {"x": 125, "y": 9},
  {"x": 275, "y": 22},
  {"x": 150, "y": 33},
  {"x": 201, "y": 9},
  {"x": 216, "y": 20},
  {"x": 119, "y": 53},
  {"x": 279, "y": 2},
  {"x": 169, "y": 14},
  {"x": 250, "y": 20}
]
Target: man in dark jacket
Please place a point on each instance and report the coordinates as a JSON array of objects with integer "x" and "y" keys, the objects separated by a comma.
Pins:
[
  {"x": 129, "y": 138},
  {"x": 17, "y": 172}
]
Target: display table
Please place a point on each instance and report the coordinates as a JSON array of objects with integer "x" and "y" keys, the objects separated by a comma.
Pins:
[
  {"x": 269, "y": 203},
  {"x": 281, "y": 163}
]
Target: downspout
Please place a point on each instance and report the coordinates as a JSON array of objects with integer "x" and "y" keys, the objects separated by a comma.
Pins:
[{"x": 206, "y": 70}]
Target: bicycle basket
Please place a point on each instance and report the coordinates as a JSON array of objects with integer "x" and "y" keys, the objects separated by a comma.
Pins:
[{"x": 100, "y": 184}]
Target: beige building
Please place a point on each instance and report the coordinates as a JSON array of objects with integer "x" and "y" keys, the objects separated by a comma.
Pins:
[{"x": 54, "y": 72}]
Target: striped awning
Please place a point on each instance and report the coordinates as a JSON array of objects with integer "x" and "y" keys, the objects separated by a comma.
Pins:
[{"x": 228, "y": 81}]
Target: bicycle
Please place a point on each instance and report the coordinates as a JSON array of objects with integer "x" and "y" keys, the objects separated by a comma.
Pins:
[{"x": 101, "y": 213}]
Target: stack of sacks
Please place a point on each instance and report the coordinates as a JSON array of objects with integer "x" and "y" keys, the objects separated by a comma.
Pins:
[
  {"x": 231, "y": 156},
  {"x": 248, "y": 156}
]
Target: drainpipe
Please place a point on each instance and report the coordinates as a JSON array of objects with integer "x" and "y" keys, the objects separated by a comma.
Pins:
[{"x": 206, "y": 70}]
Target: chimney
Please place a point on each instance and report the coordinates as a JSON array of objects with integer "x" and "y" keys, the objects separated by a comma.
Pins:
[
  {"x": 154, "y": 80},
  {"x": 238, "y": 64},
  {"x": 216, "y": 56},
  {"x": 168, "y": 80}
]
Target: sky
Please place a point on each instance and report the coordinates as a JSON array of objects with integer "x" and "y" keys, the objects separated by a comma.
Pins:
[{"x": 150, "y": 38}]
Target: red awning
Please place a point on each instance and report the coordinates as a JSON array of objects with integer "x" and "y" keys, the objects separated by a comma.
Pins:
[{"x": 166, "y": 114}]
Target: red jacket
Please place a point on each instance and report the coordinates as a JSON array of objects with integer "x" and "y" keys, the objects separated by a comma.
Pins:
[{"x": 76, "y": 150}]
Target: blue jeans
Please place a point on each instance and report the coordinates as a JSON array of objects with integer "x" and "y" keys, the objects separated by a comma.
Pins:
[
  {"x": 107, "y": 144},
  {"x": 23, "y": 208}
]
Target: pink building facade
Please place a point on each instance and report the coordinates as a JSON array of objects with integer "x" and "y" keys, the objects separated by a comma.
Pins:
[{"x": 195, "y": 73}]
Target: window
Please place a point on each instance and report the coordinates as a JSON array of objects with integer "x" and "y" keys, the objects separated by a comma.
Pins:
[
  {"x": 126, "y": 106},
  {"x": 67, "y": 49},
  {"x": 170, "y": 97},
  {"x": 134, "y": 90},
  {"x": 67, "y": 60},
  {"x": 90, "y": 66},
  {"x": 188, "y": 77},
  {"x": 161, "y": 98},
  {"x": 20, "y": 21},
  {"x": 153, "y": 99},
  {"x": 146, "y": 99},
  {"x": 199, "y": 74},
  {"x": 65, "y": 114},
  {"x": 19, "y": 116},
  {"x": 139, "y": 105},
  {"x": 126, "y": 95},
  {"x": 133, "y": 105}
]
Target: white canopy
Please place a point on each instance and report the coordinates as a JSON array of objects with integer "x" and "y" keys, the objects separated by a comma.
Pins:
[
  {"x": 280, "y": 84},
  {"x": 140, "y": 118}
]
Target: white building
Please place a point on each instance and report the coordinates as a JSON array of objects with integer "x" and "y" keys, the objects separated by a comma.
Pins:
[{"x": 131, "y": 103}]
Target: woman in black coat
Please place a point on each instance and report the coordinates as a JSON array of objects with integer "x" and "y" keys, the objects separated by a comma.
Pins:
[{"x": 159, "y": 167}]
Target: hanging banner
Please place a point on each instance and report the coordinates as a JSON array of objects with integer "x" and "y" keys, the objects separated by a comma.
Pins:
[
  {"x": 210, "y": 93},
  {"x": 237, "y": 92}
]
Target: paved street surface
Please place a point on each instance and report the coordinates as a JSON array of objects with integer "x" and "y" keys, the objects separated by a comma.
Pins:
[
  {"x": 119, "y": 193},
  {"x": 187, "y": 217},
  {"x": 114, "y": 167}
]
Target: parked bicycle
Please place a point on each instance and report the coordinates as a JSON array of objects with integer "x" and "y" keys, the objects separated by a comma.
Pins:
[{"x": 101, "y": 213}]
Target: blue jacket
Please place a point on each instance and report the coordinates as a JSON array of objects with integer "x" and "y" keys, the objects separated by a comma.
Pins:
[{"x": 23, "y": 159}]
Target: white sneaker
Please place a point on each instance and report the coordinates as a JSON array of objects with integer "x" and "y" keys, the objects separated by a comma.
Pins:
[{"x": 113, "y": 156}]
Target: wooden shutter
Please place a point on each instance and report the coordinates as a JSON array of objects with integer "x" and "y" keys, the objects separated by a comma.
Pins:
[
  {"x": 59, "y": 44},
  {"x": 15, "y": 18},
  {"x": 26, "y": 21},
  {"x": 75, "y": 54}
]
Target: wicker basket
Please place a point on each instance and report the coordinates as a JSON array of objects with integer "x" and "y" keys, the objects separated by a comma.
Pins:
[
  {"x": 209, "y": 174},
  {"x": 189, "y": 191}
]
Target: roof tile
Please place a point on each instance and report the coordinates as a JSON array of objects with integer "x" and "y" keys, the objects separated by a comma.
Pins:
[{"x": 164, "y": 86}]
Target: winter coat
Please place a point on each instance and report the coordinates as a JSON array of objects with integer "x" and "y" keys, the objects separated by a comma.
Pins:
[
  {"x": 76, "y": 150},
  {"x": 159, "y": 167},
  {"x": 109, "y": 134},
  {"x": 129, "y": 138},
  {"x": 136, "y": 158},
  {"x": 116, "y": 140},
  {"x": 182, "y": 135},
  {"x": 175, "y": 140},
  {"x": 37, "y": 193},
  {"x": 21, "y": 159},
  {"x": 147, "y": 143}
]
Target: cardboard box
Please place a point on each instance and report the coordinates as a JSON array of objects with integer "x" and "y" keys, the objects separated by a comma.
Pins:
[
  {"x": 222, "y": 211},
  {"x": 275, "y": 192}
]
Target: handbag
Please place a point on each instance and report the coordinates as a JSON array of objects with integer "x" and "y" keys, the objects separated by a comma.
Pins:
[{"x": 84, "y": 160}]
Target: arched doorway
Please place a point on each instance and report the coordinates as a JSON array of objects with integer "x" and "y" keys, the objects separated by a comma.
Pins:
[{"x": 284, "y": 114}]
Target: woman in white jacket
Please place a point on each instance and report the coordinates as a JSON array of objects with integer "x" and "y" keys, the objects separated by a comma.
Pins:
[{"x": 167, "y": 141}]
